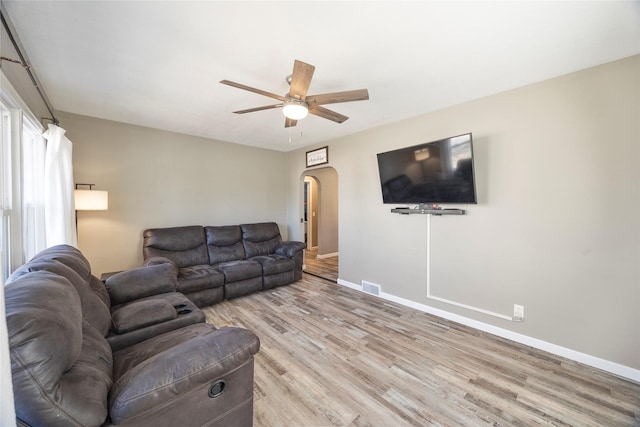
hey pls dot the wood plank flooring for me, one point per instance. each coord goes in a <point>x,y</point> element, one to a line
<point>326,268</point>
<point>332,356</point>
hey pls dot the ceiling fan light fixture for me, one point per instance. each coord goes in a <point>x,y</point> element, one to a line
<point>295,109</point>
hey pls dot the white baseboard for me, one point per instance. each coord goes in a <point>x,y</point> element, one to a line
<point>596,362</point>
<point>331,255</point>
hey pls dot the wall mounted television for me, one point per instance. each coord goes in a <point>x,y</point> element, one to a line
<point>430,173</point>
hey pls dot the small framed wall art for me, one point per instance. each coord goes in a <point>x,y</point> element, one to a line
<point>318,156</point>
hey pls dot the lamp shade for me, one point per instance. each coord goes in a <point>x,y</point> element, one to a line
<point>422,154</point>
<point>91,200</point>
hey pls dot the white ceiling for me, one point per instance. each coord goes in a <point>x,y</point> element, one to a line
<point>158,64</point>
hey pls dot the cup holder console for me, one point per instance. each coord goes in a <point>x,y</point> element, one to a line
<point>182,308</point>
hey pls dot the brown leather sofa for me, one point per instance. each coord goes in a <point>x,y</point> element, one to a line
<point>224,262</point>
<point>65,372</point>
<point>135,305</point>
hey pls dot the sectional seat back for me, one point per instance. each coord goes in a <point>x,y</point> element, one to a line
<point>65,372</point>
<point>263,244</point>
<point>227,254</point>
<point>224,262</point>
<point>133,306</point>
<point>186,248</point>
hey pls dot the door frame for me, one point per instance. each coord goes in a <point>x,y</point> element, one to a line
<point>311,188</point>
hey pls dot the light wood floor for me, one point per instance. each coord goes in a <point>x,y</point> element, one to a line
<point>332,356</point>
<point>326,268</point>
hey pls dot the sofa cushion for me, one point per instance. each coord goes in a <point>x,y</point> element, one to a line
<point>61,366</point>
<point>100,290</point>
<point>198,277</point>
<point>187,313</point>
<point>261,238</point>
<point>274,264</point>
<point>69,256</point>
<point>140,314</point>
<point>74,259</point>
<point>184,246</point>
<point>224,243</point>
<point>93,308</point>
<point>207,297</point>
<point>240,270</point>
<point>86,385</point>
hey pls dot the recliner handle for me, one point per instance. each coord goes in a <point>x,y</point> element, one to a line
<point>217,389</point>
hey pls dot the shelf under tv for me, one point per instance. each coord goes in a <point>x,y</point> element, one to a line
<point>427,211</point>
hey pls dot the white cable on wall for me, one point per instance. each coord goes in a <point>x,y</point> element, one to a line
<point>457,304</point>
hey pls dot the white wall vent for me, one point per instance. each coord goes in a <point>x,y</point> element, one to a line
<point>370,288</point>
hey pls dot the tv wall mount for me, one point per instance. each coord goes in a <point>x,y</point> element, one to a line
<point>427,209</point>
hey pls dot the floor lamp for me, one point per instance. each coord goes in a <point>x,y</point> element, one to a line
<point>89,200</point>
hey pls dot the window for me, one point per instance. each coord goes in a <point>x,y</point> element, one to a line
<point>33,153</point>
<point>22,153</point>
<point>5,191</point>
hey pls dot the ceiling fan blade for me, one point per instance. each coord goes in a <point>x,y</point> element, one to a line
<point>337,97</point>
<point>288,123</point>
<point>328,114</point>
<point>254,90</point>
<point>251,110</point>
<point>300,79</point>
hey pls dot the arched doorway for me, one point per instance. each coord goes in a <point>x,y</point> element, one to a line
<point>319,221</point>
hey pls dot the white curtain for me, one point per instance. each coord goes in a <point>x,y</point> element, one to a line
<point>58,189</point>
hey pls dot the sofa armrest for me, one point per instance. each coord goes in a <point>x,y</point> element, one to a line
<point>141,282</point>
<point>289,248</point>
<point>155,260</point>
<point>179,370</point>
<point>140,314</point>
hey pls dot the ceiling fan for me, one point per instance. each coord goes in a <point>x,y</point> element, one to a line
<point>297,104</point>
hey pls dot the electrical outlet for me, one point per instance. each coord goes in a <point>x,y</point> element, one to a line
<point>518,312</point>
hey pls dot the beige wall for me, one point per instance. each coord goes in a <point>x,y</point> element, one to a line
<point>20,79</point>
<point>163,179</point>
<point>557,226</point>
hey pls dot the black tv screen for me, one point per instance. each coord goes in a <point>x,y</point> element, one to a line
<point>435,172</point>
